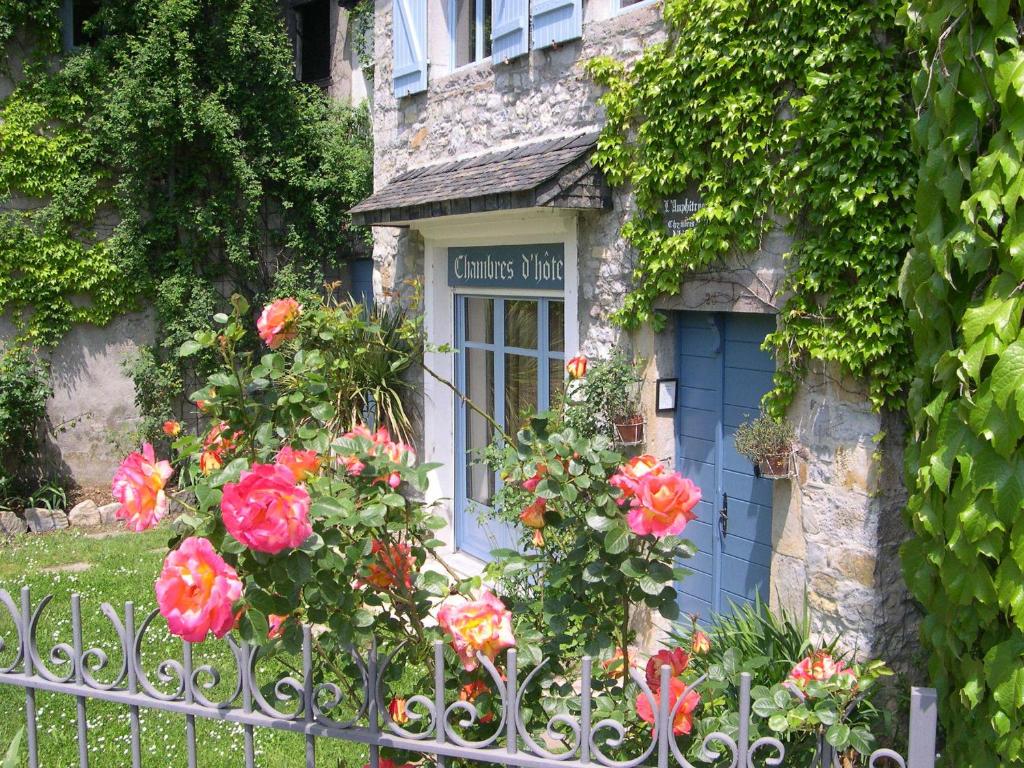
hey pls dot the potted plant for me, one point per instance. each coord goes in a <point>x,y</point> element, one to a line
<point>768,443</point>
<point>607,394</point>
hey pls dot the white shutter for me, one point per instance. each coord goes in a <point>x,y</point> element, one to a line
<point>510,29</point>
<point>409,38</point>
<point>555,21</point>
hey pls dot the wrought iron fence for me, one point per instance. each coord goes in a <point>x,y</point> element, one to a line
<point>186,690</point>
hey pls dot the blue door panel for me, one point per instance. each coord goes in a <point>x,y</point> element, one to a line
<point>700,372</point>
<point>748,355</point>
<point>751,521</point>
<point>723,374</point>
<point>735,545</point>
<point>698,399</point>
<point>743,578</point>
<point>747,327</point>
<point>745,388</point>
<point>698,424</point>
<point>699,532</point>
<point>734,415</point>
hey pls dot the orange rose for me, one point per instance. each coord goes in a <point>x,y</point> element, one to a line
<point>577,367</point>
<point>663,505</point>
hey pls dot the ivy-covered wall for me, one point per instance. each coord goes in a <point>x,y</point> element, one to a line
<point>791,114</point>
<point>168,162</point>
<point>962,285</point>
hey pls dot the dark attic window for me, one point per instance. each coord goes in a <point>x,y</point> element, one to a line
<point>313,40</point>
<point>77,29</point>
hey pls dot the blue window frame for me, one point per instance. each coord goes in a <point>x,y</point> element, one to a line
<point>510,361</point>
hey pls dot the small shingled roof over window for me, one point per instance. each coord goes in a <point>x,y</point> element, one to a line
<point>556,173</point>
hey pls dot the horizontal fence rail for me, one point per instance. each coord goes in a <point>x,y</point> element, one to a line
<point>185,688</point>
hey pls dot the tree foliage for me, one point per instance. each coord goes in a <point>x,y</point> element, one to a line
<point>962,284</point>
<point>780,113</point>
<point>174,159</point>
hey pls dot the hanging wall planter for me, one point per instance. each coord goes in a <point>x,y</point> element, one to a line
<point>774,467</point>
<point>630,431</point>
<point>768,444</point>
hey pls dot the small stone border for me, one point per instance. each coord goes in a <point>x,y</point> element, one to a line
<point>86,514</point>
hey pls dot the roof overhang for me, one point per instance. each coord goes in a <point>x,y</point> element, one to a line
<point>556,173</point>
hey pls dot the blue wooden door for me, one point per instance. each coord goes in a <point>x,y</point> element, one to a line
<point>723,373</point>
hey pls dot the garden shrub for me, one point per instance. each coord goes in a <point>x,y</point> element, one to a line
<point>24,390</point>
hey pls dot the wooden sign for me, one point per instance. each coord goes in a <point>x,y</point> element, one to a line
<point>508,266</point>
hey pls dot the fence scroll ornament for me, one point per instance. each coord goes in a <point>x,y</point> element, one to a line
<point>297,703</point>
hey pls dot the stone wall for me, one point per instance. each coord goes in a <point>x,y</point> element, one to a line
<point>485,106</point>
<point>837,525</point>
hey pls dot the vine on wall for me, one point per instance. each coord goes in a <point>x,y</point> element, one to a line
<point>172,161</point>
<point>793,113</point>
<point>962,284</point>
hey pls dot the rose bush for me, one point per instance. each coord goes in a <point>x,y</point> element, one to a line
<point>294,514</point>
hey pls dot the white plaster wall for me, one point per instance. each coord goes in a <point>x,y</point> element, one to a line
<point>93,399</point>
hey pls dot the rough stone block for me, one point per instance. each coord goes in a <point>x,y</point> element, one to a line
<point>84,515</point>
<point>11,524</point>
<point>108,513</point>
<point>40,519</point>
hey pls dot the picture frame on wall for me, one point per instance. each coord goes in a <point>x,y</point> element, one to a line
<point>665,395</point>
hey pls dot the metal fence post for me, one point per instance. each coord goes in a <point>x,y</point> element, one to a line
<point>30,693</point>
<point>924,717</point>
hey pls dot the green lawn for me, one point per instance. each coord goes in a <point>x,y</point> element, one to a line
<point>121,567</point>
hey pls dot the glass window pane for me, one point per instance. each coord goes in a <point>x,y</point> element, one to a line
<point>556,380</point>
<point>480,389</point>
<point>521,374</point>
<point>556,326</point>
<point>479,320</point>
<point>521,323</point>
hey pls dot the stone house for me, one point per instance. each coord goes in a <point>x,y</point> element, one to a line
<point>484,124</point>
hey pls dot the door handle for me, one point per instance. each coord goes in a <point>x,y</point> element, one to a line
<point>723,515</point>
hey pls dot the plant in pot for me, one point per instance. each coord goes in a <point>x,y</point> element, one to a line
<point>768,443</point>
<point>605,398</point>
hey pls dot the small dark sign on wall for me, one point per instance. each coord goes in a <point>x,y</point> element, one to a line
<point>678,212</point>
<point>508,266</point>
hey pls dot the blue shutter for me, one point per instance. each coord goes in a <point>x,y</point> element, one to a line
<point>409,38</point>
<point>510,30</point>
<point>555,21</point>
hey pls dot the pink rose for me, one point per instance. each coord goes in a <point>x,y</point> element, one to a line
<point>301,463</point>
<point>628,477</point>
<point>276,323</point>
<point>663,504</point>
<point>139,486</point>
<point>683,720</point>
<point>197,591</point>
<point>482,625</point>
<point>266,510</point>
<point>820,667</point>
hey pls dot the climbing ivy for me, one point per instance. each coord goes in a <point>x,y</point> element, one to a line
<point>171,162</point>
<point>962,284</point>
<point>781,113</point>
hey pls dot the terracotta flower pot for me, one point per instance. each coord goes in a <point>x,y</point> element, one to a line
<point>630,431</point>
<point>775,466</point>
